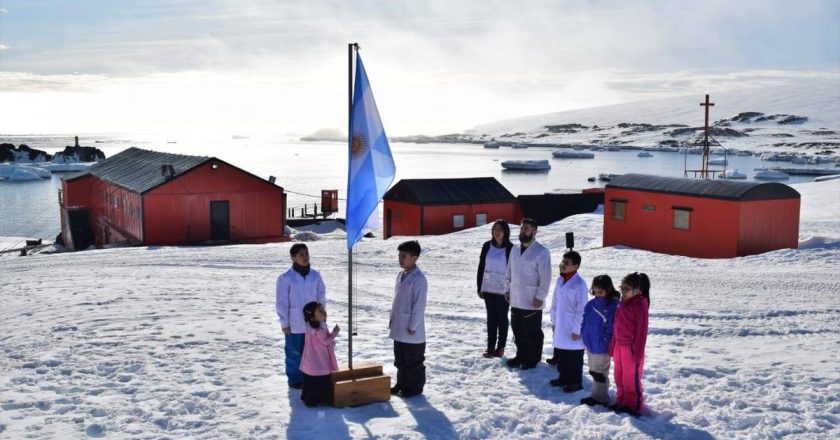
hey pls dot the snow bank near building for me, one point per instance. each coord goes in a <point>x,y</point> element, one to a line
<point>183,342</point>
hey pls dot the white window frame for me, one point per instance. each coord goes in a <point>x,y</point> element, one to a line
<point>455,220</point>
<point>615,204</point>
<point>682,219</point>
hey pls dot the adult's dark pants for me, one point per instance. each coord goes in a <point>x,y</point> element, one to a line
<point>570,366</point>
<point>527,334</point>
<point>497,320</point>
<point>411,372</point>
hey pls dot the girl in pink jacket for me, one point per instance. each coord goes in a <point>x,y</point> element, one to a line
<point>628,343</point>
<point>318,359</point>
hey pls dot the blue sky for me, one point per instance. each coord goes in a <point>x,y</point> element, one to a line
<point>435,66</point>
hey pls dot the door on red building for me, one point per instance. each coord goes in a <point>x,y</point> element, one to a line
<point>220,220</point>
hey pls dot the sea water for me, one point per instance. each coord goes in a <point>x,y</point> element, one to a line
<point>303,169</point>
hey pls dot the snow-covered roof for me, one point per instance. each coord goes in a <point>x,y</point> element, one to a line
<point>716,189</point>
<point>444,191</point>
<point>139,170</point>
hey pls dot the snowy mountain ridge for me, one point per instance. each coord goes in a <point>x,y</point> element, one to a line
<point>788,117</point>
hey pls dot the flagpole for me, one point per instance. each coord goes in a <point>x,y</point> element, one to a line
<point>350,49</point>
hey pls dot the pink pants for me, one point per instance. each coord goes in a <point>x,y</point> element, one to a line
<point>628,379</point>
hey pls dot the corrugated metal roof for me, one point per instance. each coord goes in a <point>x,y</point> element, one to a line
<point>447,191</point>
<point>139,170</point>
<point>717,189</point>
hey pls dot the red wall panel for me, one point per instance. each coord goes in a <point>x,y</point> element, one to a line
<point>767,225</point>
<point>713,230</point>
<point>405,219</point>
<point>179,211</point>
<point>437,219</point>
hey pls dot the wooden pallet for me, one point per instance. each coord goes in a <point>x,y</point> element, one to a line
<point>364,384</point>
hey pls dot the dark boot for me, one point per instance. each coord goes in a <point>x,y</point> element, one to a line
<point>499,352</point>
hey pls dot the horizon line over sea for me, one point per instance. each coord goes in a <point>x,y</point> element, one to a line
<point>303,169</point>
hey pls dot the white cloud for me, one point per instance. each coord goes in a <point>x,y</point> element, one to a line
<point>3,47</point>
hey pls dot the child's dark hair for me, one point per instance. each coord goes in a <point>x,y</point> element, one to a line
<point>297,247</point>
<point>637,280</point>
<point>411,247</point>
<point>605,282</point>
<point>575,257</point>
<point>530,221</point>
<point>309,313</point>
<point>505,229</point>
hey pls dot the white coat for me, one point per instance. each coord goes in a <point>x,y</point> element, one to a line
<point>567,307</point>
<point>529,276</point>
<point>293,292</point>
<point>408,308</point>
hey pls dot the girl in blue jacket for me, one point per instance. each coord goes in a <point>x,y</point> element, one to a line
<point>596,332</point>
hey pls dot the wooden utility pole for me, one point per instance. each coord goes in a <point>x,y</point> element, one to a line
<point>704,173</point>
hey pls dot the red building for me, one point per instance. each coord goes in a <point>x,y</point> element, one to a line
<point>141,197</point>
<point>700,218</point>
<point>440,206</point>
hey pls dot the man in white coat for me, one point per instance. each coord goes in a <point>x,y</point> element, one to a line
<point>297,287</point>
<point>407,323</point>
<point>529,278</point>
<point>567,306</point>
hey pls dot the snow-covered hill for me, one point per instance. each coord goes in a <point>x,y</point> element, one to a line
<point>805,116</point>
<point>183,342</point>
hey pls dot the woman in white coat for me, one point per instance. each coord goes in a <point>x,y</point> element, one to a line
<point>568,304</point>
<point>297,287</point>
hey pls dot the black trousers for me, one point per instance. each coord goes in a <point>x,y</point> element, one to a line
<point>497,319</point>
<point>527,334</point>
<point>570,366</point>
<point>411,372</point>
<point>316,390</point>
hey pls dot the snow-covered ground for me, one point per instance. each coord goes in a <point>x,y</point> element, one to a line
<point>183,342</point>
<point>817,99</point>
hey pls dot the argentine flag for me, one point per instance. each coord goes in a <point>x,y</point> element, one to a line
<point>372,167</point>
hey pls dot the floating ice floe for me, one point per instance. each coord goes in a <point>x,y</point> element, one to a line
<point>766,174</point>
<point>733,175</point>
<point>562,154</point>
<point>16,173</point>
<point>65,167</point>
<point>526,165</point>
<point>491,144</point>
<point>718,161</point>
<point>644,154</point>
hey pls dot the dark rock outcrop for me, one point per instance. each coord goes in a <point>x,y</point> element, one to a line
<point>81,154</point>
<point>8,153</point>
<point>783,119</point>
<point>565,128</point>
<point>714,131</point>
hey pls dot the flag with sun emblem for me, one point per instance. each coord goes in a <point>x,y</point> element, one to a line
<point>372,167</point>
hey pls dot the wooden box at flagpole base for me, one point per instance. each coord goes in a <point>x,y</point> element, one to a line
<point>365,383</point>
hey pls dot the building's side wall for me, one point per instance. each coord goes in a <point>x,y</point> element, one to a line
<point>404,219</point>
<point>767,225</point>
<point>712,233</point>
<point>438,219</point>
<point>179,211</point>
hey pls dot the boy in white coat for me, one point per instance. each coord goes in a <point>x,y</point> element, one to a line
<point>407,325</point>
<point>567,306</point>
<point>297,287</point>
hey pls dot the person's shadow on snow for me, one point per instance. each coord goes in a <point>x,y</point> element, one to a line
<point>653,424</point>
<point>314,422</point>
<point>431,422</point>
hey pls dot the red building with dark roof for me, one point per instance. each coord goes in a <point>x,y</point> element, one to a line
<point>700,218</point>
<point>141,197</point>
<point>440,206</point>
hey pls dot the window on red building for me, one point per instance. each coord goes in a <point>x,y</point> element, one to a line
<point>619,209</point>
<point>682,217</point>
<point>458,221</point>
